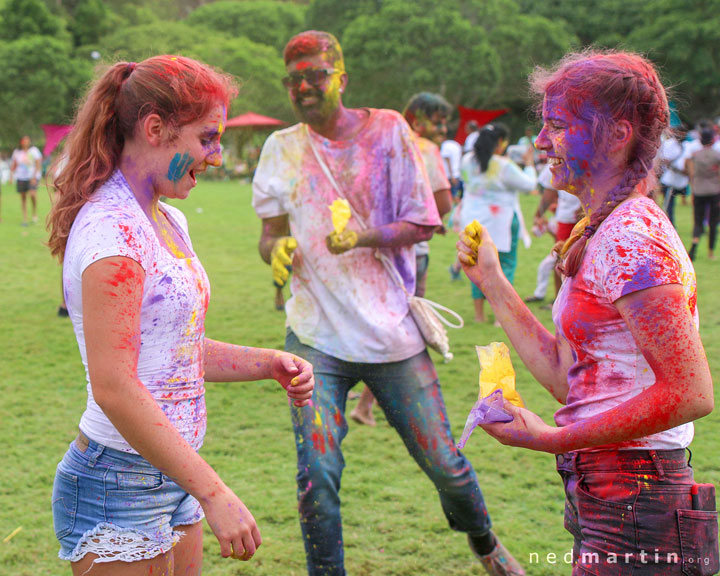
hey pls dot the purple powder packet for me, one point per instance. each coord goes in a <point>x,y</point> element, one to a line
<point>486,411</point>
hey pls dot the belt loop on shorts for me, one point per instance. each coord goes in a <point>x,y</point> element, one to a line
<point>658,465</point>
<point>83,442</point>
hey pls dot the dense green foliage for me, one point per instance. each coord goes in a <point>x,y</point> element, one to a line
<point>477,53</point>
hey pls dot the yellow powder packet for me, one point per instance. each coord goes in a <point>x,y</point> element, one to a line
<point>497,372</point>
<point>340,210</point>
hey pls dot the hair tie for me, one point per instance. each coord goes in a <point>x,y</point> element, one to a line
<point>589,231</point>
<point>131,67</point>
<point>489,127</point>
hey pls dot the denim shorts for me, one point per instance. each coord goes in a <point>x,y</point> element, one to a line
<point>632,513</point>
<point>116,505</point>
<point>25,186</point>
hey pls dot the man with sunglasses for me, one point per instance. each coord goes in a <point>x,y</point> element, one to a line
<point>347,315</point>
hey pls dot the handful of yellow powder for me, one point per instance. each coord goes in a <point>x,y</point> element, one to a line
<point>340,210</point>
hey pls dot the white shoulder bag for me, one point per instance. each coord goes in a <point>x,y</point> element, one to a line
<point>424,312</point>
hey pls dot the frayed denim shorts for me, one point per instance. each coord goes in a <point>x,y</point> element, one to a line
<point>116,505</point>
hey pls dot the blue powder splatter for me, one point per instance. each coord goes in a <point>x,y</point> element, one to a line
<point>645,277</point>
<point>179,166</point>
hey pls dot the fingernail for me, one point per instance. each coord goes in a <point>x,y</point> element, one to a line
<point>293,382</point>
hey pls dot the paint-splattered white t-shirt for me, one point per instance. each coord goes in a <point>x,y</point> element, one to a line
<point>26,163</point>
<point>172,318</point>
<point>430,154</point>
<point>635,248</point>
<point>347,305</point>
<point>491,197</point>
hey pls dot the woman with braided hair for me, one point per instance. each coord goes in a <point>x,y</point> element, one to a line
<point>626,360</point>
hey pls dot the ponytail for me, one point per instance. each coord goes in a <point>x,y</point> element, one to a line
<point>487,142</point>
<point>177,89</point>
<point>91,153</point>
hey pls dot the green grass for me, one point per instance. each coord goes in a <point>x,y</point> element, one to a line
<point>392,519</point>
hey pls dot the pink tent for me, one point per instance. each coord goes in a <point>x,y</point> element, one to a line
<point>252,120</point>
<point>54,133</point>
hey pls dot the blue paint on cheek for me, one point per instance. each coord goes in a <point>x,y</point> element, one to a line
<point>179,166</point>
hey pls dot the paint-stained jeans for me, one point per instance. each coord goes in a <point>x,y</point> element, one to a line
<point>631,514</point>
<point>409,394</point>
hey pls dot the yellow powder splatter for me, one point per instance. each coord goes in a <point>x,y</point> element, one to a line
<point>167,237</point>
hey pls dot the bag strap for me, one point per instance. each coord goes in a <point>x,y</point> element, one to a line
<point>387,263</point>
<point>328,174</point>
<point>438,308</point>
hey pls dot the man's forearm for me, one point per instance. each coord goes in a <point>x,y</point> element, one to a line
<point>265,247</point>
<point>394,235</point>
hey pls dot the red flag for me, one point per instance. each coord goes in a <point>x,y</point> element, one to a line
<point>482,117</point>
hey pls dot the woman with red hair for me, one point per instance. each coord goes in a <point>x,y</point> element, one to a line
<point>130,494</point>
<point>626,360</point>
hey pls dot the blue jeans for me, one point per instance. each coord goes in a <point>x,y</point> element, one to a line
<point>409,394</point>
<point>669,201</point>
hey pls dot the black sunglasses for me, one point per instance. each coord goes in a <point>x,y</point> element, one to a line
<point>313,77</point>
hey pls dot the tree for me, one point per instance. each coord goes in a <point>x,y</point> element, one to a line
<point>90,21</point>
<point>523,43</point>
<point>683,37</point>
<point>41,82</point>
<point>410,47</point>
<point>259,70</point>
<point>602,23</point>
<point>262,21</point>
<point>140,42</point>
<point>27,18</point>
<point>335,16</point>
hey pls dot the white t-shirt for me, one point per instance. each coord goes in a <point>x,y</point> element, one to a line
<point>635,248</point>
<point>567,204</point>
<point>430,154</point>
<point>451,153</point>
<point>491,197</point>
<point>172,316</point>
<point>470,141</point>
<point>676,153</point>
<point>567,208</point>
<point>347,305</point>
<point>26,163</point>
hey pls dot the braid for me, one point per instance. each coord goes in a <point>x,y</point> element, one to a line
<point>574,248</point>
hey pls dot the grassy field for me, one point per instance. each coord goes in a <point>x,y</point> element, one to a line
<point>392,519</point>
